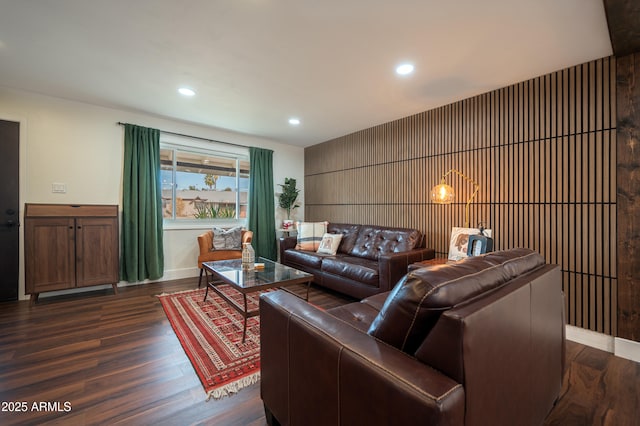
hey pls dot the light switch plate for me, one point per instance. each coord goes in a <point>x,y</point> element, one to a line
<point>59,188</point>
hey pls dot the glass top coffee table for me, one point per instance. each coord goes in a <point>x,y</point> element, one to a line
<point>245,281</point>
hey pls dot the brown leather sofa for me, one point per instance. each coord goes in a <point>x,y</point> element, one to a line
<point>370,259</point>
<point>479,342</point>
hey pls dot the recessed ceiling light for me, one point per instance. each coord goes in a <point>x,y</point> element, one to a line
<point>294,121</point>
<point>404,69</point>
<point>186,91</point>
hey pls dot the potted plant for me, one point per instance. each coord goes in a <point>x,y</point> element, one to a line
<point>287,199</point>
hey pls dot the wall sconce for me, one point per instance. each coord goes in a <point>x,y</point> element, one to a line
<point>444,194</point>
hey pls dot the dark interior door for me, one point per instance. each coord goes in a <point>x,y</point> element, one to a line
<point>9,209</point>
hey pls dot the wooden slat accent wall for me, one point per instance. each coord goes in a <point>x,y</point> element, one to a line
<point>544,154</point>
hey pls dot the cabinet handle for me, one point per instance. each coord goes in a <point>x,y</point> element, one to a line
<point>71,227</point>
<point>79,227</point>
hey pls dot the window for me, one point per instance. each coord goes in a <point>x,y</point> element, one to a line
<point>203,185</point>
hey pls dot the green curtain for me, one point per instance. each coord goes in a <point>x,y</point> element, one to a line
<point>262,211</point>
<point>142,255</point>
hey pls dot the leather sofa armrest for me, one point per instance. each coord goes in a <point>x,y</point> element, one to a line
<point>285,244</point>
<point>317,369</point>
<point>394,266</point>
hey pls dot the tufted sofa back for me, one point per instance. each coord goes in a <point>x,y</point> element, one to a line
<point>349,235</point>
<point>370,241</point>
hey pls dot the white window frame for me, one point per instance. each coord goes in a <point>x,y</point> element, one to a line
<point>189,145</point>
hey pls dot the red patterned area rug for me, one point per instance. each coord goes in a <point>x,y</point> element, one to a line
<point>211,334</point>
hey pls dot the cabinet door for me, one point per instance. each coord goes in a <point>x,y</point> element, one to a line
<point>97,251</point>
<point>50,254</point>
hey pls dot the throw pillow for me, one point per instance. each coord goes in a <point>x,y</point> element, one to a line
<point>227,239</point>
<point>310,234</point>
<point>329,244</point>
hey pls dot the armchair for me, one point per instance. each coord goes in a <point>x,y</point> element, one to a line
<point>478,342</point>
<point>205,242</point>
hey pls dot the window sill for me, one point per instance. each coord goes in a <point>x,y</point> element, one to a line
<point>171,225</point>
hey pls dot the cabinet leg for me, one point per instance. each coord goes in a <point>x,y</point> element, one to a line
<point>34,298</point>
<point>115,288</point>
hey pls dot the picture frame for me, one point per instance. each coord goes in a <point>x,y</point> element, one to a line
<point>459,241</point>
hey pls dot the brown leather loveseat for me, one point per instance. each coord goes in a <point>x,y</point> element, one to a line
<point>370,259</point>
<point>479,342</point>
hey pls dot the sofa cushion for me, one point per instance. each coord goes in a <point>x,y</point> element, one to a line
<point>376,301</point>
<point>349,235</point>
<point>416,302</point>
<point>309,259</point>
<point>356,268</point>
<point>358,314</point>
<point>374,241</point>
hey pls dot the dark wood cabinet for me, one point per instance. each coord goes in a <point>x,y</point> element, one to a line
<point>70,246</point>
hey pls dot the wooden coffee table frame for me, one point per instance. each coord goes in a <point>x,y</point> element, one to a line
<point>214,278</point>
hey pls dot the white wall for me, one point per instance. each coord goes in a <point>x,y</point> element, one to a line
<point>81,146</point>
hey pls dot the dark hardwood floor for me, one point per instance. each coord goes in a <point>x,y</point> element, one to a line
<point>598,389</point>
<point>99,358</point>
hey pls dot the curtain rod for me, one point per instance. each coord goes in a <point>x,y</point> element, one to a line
<point>194,137</point>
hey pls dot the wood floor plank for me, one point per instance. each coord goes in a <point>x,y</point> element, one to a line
<point>598,389</point>
<point>116,359</point>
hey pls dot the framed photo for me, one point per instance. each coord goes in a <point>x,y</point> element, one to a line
<point>460,239</point>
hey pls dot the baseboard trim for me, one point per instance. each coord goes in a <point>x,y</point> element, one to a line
<point>174,274</point>
<point>170,274</point>
<point>178,274</point>
<point>590,338</point>
<point>622,348</point>
<point>627,349</point>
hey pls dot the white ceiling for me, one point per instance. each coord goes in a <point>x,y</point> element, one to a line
<point>255,63</point>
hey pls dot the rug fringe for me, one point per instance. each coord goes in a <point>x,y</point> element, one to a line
<point>233,387</point>
<point>178,292</point>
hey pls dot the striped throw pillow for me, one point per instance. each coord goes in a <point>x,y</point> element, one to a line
<point>310,235</point>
